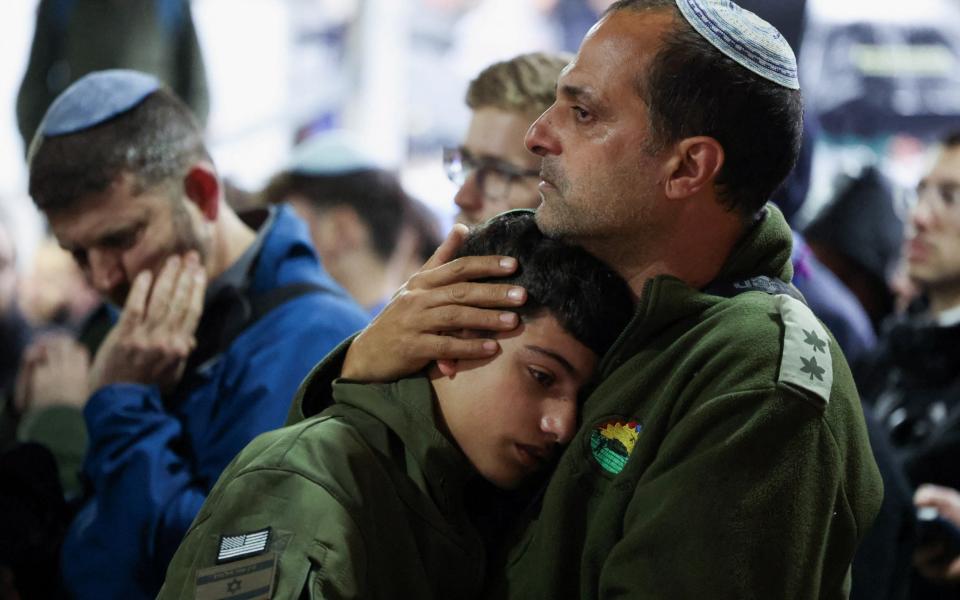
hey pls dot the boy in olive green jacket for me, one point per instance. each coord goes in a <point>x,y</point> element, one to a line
<point>367,498</point>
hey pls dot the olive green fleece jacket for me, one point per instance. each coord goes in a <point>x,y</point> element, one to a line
<point>363,501</point>
<point>738,485</point>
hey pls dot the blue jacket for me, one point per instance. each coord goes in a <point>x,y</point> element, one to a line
<point>152,460</point>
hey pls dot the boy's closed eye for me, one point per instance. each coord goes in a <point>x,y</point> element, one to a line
<point>543,377</point>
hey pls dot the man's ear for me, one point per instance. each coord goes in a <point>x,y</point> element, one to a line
<point>694,166</point>
<point>202,187</point>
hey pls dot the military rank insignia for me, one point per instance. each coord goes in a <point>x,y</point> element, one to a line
<point>611,443</point>
<point>806,364</point>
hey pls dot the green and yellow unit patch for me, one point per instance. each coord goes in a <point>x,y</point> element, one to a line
<point>611,443</point>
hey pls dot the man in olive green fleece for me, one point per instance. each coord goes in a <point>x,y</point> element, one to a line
<point>368,499</point>
<point>724,454</point>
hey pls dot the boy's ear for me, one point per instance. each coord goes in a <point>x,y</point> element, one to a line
<point>449,366</point>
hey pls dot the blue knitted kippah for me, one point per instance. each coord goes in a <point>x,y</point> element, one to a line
<point>744,37</point>
<point>96,98</point>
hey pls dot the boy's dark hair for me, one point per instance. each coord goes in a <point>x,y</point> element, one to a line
<point>156,142</point>
<point>588,299</point>
<point>694,89</point>
<point>376,196</point>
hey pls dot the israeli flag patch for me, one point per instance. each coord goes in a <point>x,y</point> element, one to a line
<point>243,545</point>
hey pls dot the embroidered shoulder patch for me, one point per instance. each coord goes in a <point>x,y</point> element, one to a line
<point>242,545</point>
<point>250,579</point>
<point>611,443</point>
<point>806,362</point>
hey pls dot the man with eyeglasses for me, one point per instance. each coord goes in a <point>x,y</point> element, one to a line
<point>493,168</point>
<point>912,381</point>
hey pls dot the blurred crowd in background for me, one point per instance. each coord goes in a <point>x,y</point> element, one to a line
<point>336,106</point>
<point>880,84</point>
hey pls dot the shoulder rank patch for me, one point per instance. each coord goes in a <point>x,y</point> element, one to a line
<point>611,443</point>
<point>242,545</point>
<point>806,362</point>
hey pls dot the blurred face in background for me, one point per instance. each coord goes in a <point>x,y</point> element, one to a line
<point>54,290</point>
<point>933,240</point>
<point>493,168</point>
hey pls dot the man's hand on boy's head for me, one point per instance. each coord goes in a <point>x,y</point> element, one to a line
<point>407,334</point>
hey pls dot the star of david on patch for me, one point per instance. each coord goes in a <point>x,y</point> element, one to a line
<point>245,579</point>
<point>813,341</point>
<point>812,368</point>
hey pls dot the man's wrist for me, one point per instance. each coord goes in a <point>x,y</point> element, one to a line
<point>352,363</point>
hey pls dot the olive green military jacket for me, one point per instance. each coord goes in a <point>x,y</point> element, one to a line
<point>723,455</point>
<point>362,501</point>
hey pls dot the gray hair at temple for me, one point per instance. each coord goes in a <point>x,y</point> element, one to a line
<point>692,88</point>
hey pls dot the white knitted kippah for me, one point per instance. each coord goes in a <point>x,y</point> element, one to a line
<point>744,37</point>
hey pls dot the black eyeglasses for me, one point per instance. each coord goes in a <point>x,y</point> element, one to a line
<point>494,177</point>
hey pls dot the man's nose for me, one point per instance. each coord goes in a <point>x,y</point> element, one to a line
<point>540,138</point>
<point>105,270</point>
<point>921,216</point>
<point>470,195</point>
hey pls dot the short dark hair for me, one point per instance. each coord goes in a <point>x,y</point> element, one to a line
<point>375,194</point>
<point>951,140</point>
<point>421,219</point>
<point>588,299</point>
<point>694,89</point>
<point>156,142</point>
